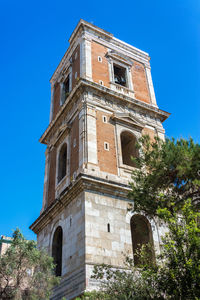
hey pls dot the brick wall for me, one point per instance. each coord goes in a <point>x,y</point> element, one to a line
<point>140,82</point>
<point>74,157</point>
<point>105,133</point>
<point>150,132</point>
<point>52,176</point>
<point>56,105</point>
<point>75,65</point>
<point>99,69</point>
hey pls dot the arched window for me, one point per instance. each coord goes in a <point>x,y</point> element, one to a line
<point>128,147</point>
<point>62,162</point>
<point>141,235</point>
<point>57,250</point>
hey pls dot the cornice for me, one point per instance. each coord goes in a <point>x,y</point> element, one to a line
<point>83,183</point>
<point>84,83</point>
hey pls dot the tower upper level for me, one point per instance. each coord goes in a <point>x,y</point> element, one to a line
<point>97,56</point>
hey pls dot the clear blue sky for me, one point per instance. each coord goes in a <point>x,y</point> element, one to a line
<point>34,36</point>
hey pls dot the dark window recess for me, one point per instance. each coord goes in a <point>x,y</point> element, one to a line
<point>62,163</point>
<point>57,250</point>
<point>129,150</point>
<point>141,236</point>
<point>108,226</point>
<point>120,75</point>
<point>66,87</point>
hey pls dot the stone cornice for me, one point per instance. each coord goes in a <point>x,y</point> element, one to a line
<point>83,182</point>
<point>83,84</point>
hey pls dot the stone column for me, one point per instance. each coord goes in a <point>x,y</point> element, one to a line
<point>62,93</point>
<point>91,133</point>
<point>46,179</point>
<point>86,59</point>
<point>52,103</point>
<point>150,84</point>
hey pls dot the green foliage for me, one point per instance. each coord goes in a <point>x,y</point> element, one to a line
<point>167,175</point>
<point>25,271</point>
<point>165,187</point>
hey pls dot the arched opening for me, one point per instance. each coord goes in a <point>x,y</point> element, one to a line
<point>141,235</point>
<point>128,146</point>
<point>62,162</point>
<point>57,250</point>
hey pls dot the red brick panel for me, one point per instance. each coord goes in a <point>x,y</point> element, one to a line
<point>107,160</point>
<point>52,176</point>
<point>56,105</point>
<point>74,160</point>
<point>150,132</point>
<point>75,65</point>
<point>100,70</point>
<point>140,82</point>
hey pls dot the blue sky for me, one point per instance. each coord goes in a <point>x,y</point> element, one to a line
<point>34,37</point>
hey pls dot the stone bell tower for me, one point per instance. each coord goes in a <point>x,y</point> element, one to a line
<point>102,101</point>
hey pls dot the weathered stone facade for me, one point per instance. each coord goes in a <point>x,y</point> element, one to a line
<point>102,101</point>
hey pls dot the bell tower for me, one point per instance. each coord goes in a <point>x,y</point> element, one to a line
<point>102,101</point>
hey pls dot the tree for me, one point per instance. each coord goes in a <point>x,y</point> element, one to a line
<point>165,187</point>
<point>25,271</point>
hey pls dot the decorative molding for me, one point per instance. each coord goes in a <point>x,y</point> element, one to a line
<point>129,119</point>
<point>117,56</point>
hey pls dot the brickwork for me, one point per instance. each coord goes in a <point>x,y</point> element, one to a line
<point>100,69</point>
<point>140,82</point>
<point>74,158</point>
<point>75,66</point>
<point>107,160</point>
<point>52,175</point>
<point>150,132</point>
<point>56,105</point>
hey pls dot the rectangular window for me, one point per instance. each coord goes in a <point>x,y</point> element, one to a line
<point>120,75</point>
<point>66,83</point>
<point>106,146</point>
<point>104,119</point>
<point>101,82</point>
<point>99,59</point>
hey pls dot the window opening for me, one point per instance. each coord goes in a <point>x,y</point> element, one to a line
<point>119,75</point>
<point>62,162</point>
<point>66,83</point>
<point>74,143</point>
<point>141,234</point>
<point>101,82</point>
<point>99,59</point>
<point>106,146</point>
<point>104,119</point>
<point>128,146</point>
<point>108,226</point>
<point>57,250</point>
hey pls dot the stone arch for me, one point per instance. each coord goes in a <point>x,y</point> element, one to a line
<point>57,246</point>
<point>62,162</point>
<point>141,234</point>
<point>128,148</point>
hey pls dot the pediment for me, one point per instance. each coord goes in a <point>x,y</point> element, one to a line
<point>60,131</point>
<point>128,118</point>
<point>119,57</point>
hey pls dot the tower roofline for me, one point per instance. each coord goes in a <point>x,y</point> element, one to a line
<point>95,30</point>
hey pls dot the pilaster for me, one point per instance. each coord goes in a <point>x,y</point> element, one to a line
<point>86,60</point>
<point>150,84</point>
